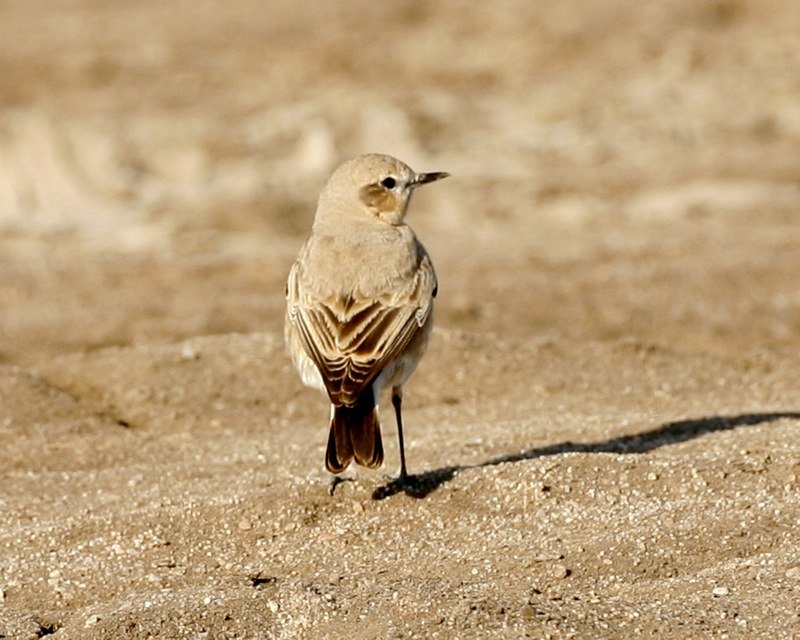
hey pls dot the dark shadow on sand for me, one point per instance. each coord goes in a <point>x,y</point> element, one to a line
<point>419,486</point>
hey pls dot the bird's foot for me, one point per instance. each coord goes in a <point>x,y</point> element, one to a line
<point>336,481</point>
<point>405,483</point>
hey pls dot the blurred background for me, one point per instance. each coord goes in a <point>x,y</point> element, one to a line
<point>620,169</point>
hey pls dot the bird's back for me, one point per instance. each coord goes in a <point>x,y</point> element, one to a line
<point>358,305</point>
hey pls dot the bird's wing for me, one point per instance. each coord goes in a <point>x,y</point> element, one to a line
<point>352,340</point>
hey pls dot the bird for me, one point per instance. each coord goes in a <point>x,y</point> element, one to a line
<point>359,304</point>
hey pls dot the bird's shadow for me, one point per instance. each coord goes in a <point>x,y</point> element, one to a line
<point>421,485</point>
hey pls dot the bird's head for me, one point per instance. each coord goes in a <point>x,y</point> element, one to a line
<point>372,187</point>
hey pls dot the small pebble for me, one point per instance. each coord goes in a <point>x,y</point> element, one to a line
<point>559,571</point>
<point>273,606</point>
<point>245,524</point>
<point>720,591</point>
<point>188,352</point>
<point>91,621</point>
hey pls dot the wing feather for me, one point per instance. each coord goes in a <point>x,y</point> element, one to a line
<point>352,339</point>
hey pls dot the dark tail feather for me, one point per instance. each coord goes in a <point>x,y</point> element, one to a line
<point>340,449</point>
<point>366,441</point>
<point>355,433</point>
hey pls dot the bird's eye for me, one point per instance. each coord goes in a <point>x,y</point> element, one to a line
<point>389,182</point>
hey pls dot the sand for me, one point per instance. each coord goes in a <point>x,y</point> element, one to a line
<point>605,431</point>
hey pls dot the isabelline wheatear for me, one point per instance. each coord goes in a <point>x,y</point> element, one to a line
<point>359,303</point>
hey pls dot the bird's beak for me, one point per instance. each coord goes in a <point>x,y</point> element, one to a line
<point>425,178</point>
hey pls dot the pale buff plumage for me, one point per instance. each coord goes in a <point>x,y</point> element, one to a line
<point>360,302</point>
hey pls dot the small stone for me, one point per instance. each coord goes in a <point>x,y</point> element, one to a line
<point>55,573</point>
<point>273,606</point>
<point>529,612</point>
<point>91,621</point>
<point>718,592</point>
<point>188,352</point>
<point>2,595</point>
<point>207,600</point>
<point>652,476</point>
<point>559,571</point>
<point>245,524</point>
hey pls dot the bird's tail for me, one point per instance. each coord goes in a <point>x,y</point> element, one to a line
<point>355,433</point>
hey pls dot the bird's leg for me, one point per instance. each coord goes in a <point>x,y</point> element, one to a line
<point>410,485</point>
<point>397,400</point>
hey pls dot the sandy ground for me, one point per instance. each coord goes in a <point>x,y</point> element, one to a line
<point>606,428</point>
